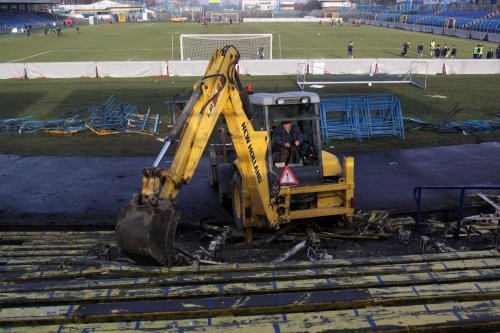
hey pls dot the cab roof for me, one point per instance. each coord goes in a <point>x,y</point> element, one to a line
<point>291,97</point>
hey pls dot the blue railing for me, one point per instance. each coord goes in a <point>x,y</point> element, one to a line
<point>417,194</point>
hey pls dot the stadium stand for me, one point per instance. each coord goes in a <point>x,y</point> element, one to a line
<point>19,19</point>
<point>434,20</point>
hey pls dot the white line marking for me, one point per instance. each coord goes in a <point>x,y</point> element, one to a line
<point>32,56</point>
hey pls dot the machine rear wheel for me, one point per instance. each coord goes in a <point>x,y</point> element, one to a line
<point>238,206</point>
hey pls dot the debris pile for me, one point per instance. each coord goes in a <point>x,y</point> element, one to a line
<point>315,240</point>
<point>479,224</point>
<point>111,117</point>
<point>447,125</point>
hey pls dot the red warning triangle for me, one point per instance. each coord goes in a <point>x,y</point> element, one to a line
<point>287,177</point>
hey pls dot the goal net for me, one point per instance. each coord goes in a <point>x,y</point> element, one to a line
<point>250,46</point>
<point>224,17</point>
<point>314,74</point>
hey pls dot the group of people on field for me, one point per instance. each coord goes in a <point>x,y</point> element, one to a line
<point>477,52</point>
<point>437,51</point>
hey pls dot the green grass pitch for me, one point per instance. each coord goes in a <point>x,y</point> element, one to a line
<point>160,41</point>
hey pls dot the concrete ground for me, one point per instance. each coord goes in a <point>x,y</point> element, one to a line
<point>95,186</point>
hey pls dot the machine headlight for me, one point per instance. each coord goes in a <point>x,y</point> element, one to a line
<point>304,100</point>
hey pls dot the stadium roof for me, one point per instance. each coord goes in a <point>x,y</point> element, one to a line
<point>29,2</point>
<point>102,5</point>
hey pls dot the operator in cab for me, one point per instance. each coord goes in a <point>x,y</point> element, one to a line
<point>288,139</point>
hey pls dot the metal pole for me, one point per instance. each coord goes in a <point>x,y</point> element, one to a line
<point>418,199</point>
<point>162,153</point>
<point>460,212</point>
<point>279,44</point>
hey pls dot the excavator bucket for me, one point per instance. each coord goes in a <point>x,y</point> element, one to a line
<point>148,229</point>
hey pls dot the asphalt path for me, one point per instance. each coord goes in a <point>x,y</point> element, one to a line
<point>95,186</point>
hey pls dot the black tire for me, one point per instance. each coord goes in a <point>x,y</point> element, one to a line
<point>212,176</point>
<point>237,202</point>
<point>224,174</point>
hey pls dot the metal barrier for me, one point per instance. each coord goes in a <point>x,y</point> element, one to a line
<point>111,117</point>
<point>360,116</point>
<point>417,195</point>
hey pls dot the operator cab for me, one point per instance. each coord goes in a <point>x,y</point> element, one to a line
<point>271,110</point>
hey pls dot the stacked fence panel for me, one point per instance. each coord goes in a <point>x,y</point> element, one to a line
<point>361,116</point>
<point>111,117</point>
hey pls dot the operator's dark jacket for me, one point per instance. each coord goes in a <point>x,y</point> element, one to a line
<point>281,136</point>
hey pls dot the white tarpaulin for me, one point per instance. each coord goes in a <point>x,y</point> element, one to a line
<point>59,70</point>
<point>348,66</point>
<point>187,68</point>
<point>12,71</point>
<point>472,66</point>
<point>404,66</point>
<point>131,68</point>
<point>250,67</point>
<point>269,67</point>
<point>335,66</point>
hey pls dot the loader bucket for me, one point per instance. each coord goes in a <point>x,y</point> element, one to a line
<point>148,229</point>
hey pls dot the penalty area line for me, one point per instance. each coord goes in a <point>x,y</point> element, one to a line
<point>31,56</point>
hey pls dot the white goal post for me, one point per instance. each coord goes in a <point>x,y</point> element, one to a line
<point>202,46</point>
<point>314,73</point>
<point>224,17</point>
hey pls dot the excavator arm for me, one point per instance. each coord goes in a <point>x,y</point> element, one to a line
<point>146,225</point>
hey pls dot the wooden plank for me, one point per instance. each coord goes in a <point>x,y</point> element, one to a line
<point>135,269</point>
<point>42,315</point>
<point>489,201</point>
<point>57,234</point>
<point>100,280</point>
<point>45,253</point>
<point>48,247</point>
<point>249,305</point>
<point>101,241</point>
<point>96,268</point>
<point>105,292</point>
<point>23,268</point>
<point>93,276</point>
<point>415,318</point>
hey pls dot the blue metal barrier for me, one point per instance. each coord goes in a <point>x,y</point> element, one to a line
<point>110,117</point>
<point>417,195</point>
<point>360,116</point>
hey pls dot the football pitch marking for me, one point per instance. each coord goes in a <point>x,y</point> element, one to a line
<point>31,56</point>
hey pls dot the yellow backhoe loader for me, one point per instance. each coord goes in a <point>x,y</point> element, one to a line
<point>265,191</point>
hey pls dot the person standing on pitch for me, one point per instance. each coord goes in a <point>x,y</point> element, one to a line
<point>350,49</point>
<point>432,47</point>
<point>453,52</point>
<point>420,49</point>
<point>260,52</point>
